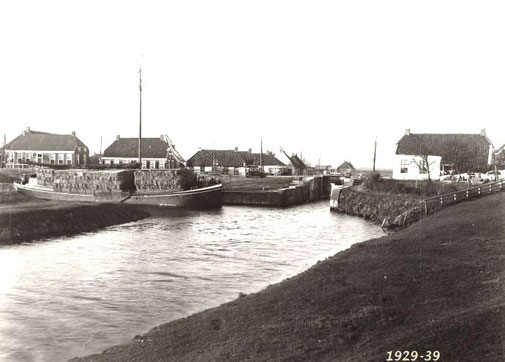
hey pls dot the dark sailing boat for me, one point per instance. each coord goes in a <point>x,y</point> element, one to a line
<point>175,186</point>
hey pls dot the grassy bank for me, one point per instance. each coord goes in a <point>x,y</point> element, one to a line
<point>23,219</point>
<point>437,285</point>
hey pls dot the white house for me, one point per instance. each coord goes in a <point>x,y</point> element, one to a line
<point>441,153</point>
<point>412,167</point>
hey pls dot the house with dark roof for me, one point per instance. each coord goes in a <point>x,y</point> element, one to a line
<point>45,148</point>
<point>346,168</point>
<point>234,162</point>
<point>420,154</point>
<point>156,153</point>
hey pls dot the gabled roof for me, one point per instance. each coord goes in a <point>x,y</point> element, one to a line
<point>231,158</point>
<point>466,150</point>
<point>345,165</point>
<point>42,141</point>
<point>128,147</point>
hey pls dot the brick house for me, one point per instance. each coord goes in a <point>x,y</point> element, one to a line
<point>234,162</point>
<point>45,148</point>
<point>156,153</point>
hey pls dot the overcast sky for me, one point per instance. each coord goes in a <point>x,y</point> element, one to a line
<point>320,77</point>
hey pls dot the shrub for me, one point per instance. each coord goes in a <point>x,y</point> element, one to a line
<point>186,179</point>
<point>373,179</point>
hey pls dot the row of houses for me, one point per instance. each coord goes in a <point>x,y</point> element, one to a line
<point>418,156</point>
<point>34,147</point>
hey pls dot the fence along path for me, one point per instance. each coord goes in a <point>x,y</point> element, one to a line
<point>433,204</point>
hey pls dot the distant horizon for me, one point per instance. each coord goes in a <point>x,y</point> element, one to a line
<point>278,153</point>
<point>324,79</point>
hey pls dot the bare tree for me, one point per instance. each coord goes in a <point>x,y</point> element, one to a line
<point>424,164</point>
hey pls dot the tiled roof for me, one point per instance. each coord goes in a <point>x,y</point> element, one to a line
<point>466,151</point>
<point>231,158</point>
<point>41,141</point>
<point>128,147</point>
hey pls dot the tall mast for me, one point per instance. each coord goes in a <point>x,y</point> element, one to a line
<point>374,154</point>
<point>140,115</point>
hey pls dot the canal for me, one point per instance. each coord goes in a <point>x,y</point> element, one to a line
<point>67,297</point>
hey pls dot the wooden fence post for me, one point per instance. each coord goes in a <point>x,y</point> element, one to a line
<point>478,190</point>
<point>455,197</point>
<point>426,207</point>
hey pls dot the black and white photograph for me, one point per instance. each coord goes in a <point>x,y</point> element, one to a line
<point>252,181</point>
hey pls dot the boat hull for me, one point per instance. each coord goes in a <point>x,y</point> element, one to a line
<point>204,198</point>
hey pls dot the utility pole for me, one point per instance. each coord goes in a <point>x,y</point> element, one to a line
<point>374,153</point>
<point>140,116</point>
<point>261,156</point>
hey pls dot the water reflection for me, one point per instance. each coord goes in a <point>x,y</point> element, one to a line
<point>74,296</point>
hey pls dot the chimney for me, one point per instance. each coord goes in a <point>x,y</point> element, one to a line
<point>117,137</point>
<point>483,132</point>
<point>73,133</point>
<point>250,150</point>
<point>407,132</point>
<point>162,137</point>
<point>236,149</point>
<point>26,131</point>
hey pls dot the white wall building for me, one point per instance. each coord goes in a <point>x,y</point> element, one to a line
<point>407,167</point>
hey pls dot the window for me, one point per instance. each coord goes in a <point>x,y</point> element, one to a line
<point>225,170</point>
<point>202,168</point>
<point>156,164</point>
<point>69,162</point>
<point>404,167</point>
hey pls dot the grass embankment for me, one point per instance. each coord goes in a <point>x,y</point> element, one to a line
<point>23,219</point>
<point>384,200</point>
<point>437,285</point>
<point>241,183</point>
<point>420,189</point>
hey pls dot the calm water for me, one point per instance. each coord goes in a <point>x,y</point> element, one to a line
<point>68,297</point>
